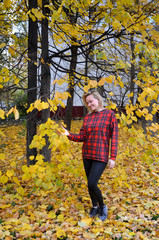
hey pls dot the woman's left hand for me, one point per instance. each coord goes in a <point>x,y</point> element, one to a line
<point>111,163</point>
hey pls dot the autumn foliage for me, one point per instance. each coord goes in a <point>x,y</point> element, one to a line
<point>50,200</point>
<point>111,46</point>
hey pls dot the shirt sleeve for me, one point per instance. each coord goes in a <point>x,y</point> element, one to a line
<point>81,137</point>
<point>114,137</point>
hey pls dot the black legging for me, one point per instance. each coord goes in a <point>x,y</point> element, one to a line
<point>94,170</point>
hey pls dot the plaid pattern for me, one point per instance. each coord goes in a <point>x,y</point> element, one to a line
<point>97,130</point>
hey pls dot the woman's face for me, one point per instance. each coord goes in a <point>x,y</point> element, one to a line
<point>93,103</point>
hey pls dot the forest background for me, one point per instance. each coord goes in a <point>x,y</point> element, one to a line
<point>94,45</point>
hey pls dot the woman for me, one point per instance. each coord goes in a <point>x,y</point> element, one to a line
<point>99,126</point>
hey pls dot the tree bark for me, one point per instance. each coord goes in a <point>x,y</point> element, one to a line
<point>73,64</point>
<point>132,70</point>
<point>45,76</point>
<point>69,107</point>
<point>32,83</point>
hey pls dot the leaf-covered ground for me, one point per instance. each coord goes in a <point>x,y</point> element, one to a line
<point>130,191</point>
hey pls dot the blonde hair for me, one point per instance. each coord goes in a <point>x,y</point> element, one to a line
<point>95,95</point>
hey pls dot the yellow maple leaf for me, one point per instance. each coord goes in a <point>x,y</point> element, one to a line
<point>60,217</point>
<point>16,180</point>
<point>111,93</point>
<point>16,80</point>
<point>85,222</point>
<point>10,173</point>
<point>113,105</point>
<point>44,105</point>
<point>86,88</point>
<point>38,104</point>
<point>26,177</point>
<point>2,114</point>
<point>60,81</point>
<point>3,179</point>
<point>134,118</point>
<point>21,191</point>
<point>4,206</point>
<point>116,25</point>
<point>150,91</point>
<point>139,113</point>
<point>89,235</point>
<point>25,168</point>
<point>121,84</point>
<point>61,103</point>
<point>30,108</point>
<point>60,233</point>
<point>37,13</point>
<point>145,110</point>
<point>130,94</point>
<point>51,215</point>
<point>13,164</point>
<point>93,83</point>
<point>102,81</point>
<point>31,158</point>
<point>149,117</point>
<point>65,95</point>
<point>16,113</point>
<point>2,156</point>
<point>10,111</point>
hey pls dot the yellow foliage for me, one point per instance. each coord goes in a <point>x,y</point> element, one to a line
<point>12,50</point>
<point>51,215</point>
<point>2,45</point>
<point>10,173</point>
<point>30,108</point>
<point>2,114</point>
<point>60,233</point>
<point>37,14</point>
<point>106,79</point>
<point>116,25</point>
<point>3,179</point>
<point>86,88</point>
<point>62,183</point>
<point>10,111</point>
<point>16,113</point>
<point>111,93</point>
<point>93,83</point>
<point>38,104</point>
<point>21,191</point>
<point>4,206</point>
<point>113,105</point>
<point>60,82</point>
<point>16,180</point>
<point>154,127</point>
<point>149,117</point>
<point>7,3</point>
<point>2,156</point>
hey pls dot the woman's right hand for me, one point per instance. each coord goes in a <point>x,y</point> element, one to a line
<point>65,131</point>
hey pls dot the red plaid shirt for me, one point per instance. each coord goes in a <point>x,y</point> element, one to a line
<point>97,130</point>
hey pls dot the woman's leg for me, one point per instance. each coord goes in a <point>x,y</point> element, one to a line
<point>87,167</point>
<point>94,170</point>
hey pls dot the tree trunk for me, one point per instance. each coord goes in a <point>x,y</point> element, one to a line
<point>45,77</point>
<point>132,70</point>
<point>69,107</point>
<point>73,64</point>
<point>32,83</point>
